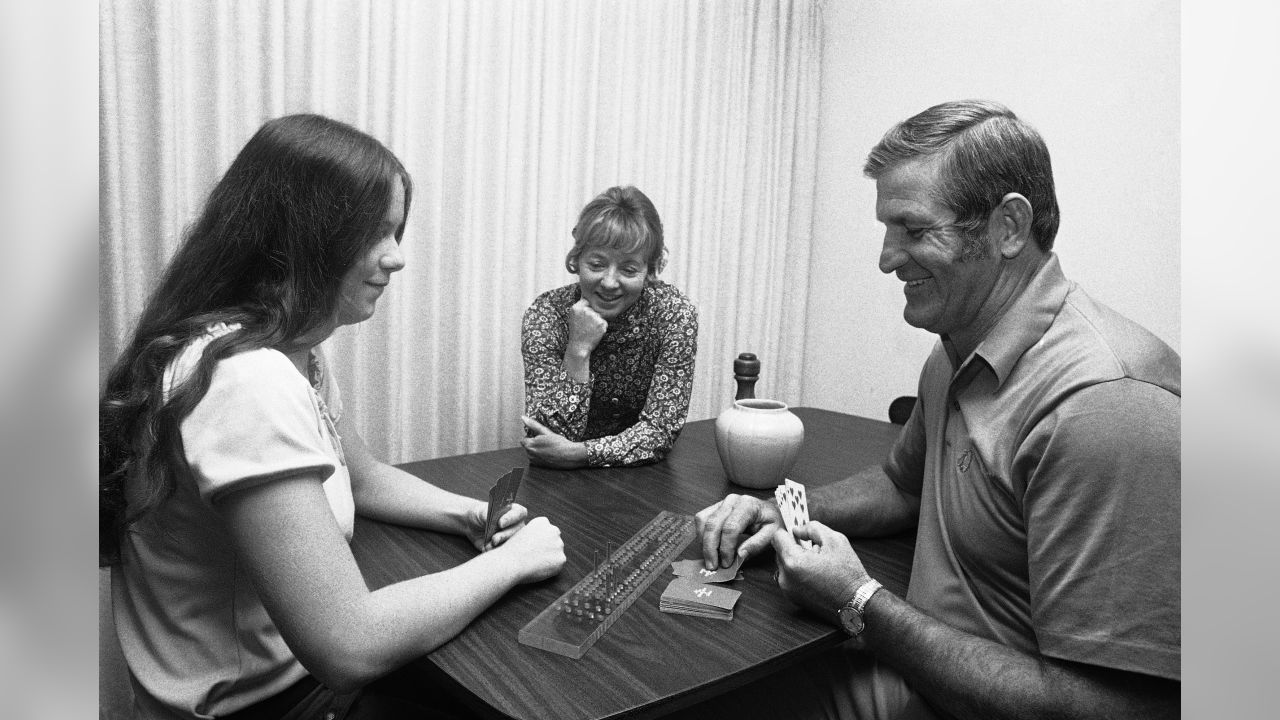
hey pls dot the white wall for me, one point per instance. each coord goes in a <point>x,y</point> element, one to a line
<point>1099,80</point>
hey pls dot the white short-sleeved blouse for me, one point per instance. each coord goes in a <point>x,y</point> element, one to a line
<point>192,627</point>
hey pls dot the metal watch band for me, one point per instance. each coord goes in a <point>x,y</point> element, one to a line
<point>864,593</point>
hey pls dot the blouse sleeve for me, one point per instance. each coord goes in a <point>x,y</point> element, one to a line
<point>667,403</point>
<point>256,423</point>
<point>550,396</point>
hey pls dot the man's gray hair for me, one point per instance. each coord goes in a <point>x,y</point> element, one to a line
<point>986,152</point>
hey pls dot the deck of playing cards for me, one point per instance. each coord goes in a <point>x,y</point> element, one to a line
<point>690,593</point>
<point>687,596</point>
<point>794,506</point>
<point>501,496</point>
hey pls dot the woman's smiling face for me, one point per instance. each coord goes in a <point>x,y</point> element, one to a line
<point>611,280</point>
<point>364,282</point>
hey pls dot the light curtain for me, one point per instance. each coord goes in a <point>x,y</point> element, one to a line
<point>510,116</point>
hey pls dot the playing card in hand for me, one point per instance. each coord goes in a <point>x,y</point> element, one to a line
<point>501,496</point>
<point>696,570</point>
<point>794,506</point>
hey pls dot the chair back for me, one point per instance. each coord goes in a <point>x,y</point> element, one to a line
<point>900,409</point>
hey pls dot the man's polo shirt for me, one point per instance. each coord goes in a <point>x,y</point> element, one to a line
<point>1047,464</point>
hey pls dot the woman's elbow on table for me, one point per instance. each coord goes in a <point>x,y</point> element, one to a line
<point>347,666</point>
<point>350,649</point>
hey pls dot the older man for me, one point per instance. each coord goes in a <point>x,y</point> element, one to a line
<point>1040,466</point>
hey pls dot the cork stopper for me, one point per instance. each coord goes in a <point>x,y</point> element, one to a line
<point>746,370</point>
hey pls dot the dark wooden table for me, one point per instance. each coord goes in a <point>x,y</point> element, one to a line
<point>649,662</point>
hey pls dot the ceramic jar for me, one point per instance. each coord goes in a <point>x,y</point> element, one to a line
<point>758,441</point>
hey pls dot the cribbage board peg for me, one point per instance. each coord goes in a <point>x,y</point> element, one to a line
<point>746,370</point>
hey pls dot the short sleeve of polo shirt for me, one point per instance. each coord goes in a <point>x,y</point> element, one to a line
<point>1102,508</point>
<point>905,464</point>
<point>257,423</point>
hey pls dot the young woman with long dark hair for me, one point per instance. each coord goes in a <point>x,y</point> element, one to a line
<point>230,477</point>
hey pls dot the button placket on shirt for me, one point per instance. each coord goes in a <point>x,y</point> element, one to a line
<point>957,434</point>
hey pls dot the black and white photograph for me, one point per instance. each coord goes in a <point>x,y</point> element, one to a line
<point>593,359</point>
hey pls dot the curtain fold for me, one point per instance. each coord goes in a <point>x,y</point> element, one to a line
<point>510,116</point>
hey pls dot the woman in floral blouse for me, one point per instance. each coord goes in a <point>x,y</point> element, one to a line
<point>608,360</point>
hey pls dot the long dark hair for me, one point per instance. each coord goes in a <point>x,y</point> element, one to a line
<point>294,211</point>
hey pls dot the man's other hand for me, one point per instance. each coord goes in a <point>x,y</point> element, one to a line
<point>821,578</point>
<point>721,527</point>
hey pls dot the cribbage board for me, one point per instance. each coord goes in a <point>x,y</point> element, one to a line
<point>571,624</point>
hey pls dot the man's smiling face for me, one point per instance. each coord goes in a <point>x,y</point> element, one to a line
<point>949,276</point>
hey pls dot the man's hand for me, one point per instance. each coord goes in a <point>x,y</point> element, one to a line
<point>509,524</point>
<point>722,525</point>
<point>550,449</point>
<point>821,578</point>
<point>586,327</point>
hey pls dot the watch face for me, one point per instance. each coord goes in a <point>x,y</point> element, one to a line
<point>851,620</point>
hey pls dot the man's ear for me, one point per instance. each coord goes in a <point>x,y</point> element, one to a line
<point>1011,224</point>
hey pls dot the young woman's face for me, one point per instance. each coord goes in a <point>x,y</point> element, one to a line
<point>611,280</point>
<point>364,281</point>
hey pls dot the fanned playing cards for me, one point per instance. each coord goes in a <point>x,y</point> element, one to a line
<point>794,506</point>
<point>501,496</point>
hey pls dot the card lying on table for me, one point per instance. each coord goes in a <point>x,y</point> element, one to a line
<point>501,496</point>
<point>794,506</point>
<point>686,596</point>
<point>696,570</point>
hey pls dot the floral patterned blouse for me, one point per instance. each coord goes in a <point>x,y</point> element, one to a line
<point>633,407</point>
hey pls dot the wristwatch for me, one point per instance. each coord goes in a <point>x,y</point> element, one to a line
<point>851,614</point>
